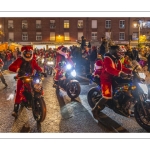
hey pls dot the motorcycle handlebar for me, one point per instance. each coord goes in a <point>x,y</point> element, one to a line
<point>17,77</point>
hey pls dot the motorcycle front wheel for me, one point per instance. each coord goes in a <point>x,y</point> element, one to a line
<point>49,71</point>
<point>141,118</point>
<point>39,111</point>
<point>93,96</point>
<point>73,89</point>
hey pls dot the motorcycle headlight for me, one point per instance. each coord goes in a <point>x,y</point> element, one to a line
<point>144,88</point>
<point>142,75</point>
<point>68,66</point>
<point>73,73</point>
<point>37,81</point>
<point>50,62</point>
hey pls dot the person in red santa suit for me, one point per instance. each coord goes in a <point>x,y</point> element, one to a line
<point>61,56</point>
<point>1,75</point>
<point>112,66</point>
<point>24,65</point>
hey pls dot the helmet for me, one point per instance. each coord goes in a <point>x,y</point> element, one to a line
<point>117,51</point>
<point>27,52</point>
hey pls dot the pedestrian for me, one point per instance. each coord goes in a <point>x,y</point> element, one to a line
<point>103,47</point>
<point>93,57</point>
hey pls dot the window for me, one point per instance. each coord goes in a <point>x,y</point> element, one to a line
<point>108,24</point>
<point>80,34</point>
<point>52,36</point>
<point>38,36</point>
<point>66,23</point>
<point>11,36</point>
<point>135,36</point>
<point>10,24</point>
<point>52,24</point>
<point>24,24</point>
<point>108,35</point>
<point>148,24</point>
<point>94,35</point>
<point>121,36</point>
<point>38,24</point>
<point>24,36</point>
<point>66,35</point>
<point>121,24</point>
<point>94,23</point>
<point>80,23</point>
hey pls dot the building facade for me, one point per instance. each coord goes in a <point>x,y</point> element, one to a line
<point>51,32</point>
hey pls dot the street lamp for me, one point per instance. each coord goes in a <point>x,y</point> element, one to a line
<point>139,24</point>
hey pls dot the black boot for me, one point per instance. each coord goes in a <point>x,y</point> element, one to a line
<point>5,85</point>
<point>3,80</point>
<point>15,111</point>
<point>98,107</point>
<point>55,84</point>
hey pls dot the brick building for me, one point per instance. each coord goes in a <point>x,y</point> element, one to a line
<point>44,32</point>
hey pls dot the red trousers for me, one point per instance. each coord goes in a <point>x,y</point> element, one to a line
<point>18,97</point>
<point>107,91</point>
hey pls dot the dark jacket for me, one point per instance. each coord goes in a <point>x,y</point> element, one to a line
<point>130,54</point>
<point>93,55</point>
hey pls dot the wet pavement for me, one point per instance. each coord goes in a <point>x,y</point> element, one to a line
<point>64,115</point>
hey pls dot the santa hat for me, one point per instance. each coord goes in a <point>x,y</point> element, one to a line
<point>60,47</point>
<point>26,48</point>
<point>98,64</point>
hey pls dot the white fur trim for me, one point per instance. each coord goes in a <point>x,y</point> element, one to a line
<point>27,59</point>
<point>17,69</point>
<point>98,67</point>
<point>119,73</point>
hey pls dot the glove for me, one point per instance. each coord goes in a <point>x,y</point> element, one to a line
<point>123,75</point>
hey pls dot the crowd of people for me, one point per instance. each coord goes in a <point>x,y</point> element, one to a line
<point>88,59</point>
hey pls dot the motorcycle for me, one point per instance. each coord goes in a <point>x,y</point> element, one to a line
<point>68,82</point>
<point>130,95</point>
<point>32,95</point>
<point>48,66</point>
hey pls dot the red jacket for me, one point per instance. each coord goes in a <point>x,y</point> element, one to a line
<point>112,67</point>
<point>14,67</point>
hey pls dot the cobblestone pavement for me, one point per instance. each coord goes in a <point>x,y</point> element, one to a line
<point>63,114</point>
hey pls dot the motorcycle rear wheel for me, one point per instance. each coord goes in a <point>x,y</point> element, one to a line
<point>93,96</point>
<point>141,119</point>
<point>73,89</point>
<point>39,111</point>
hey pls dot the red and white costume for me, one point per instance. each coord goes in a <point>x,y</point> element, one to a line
<point>111,67</point>
<point>98,68</point>
<point>60,57</point>
<point>17,65</point>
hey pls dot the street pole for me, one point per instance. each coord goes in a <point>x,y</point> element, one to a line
<point>139,36</point>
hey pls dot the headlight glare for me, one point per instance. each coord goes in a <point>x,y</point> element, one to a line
<point>73,73</point>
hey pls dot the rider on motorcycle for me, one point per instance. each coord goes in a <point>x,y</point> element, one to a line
<point>111,67</point>
<point>61,56</point>
<point>24,65</point>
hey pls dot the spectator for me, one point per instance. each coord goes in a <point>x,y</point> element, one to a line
<point>129,52</point>
<point>135,54</point>
<point>103,47</point>
<point>93,57</point>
